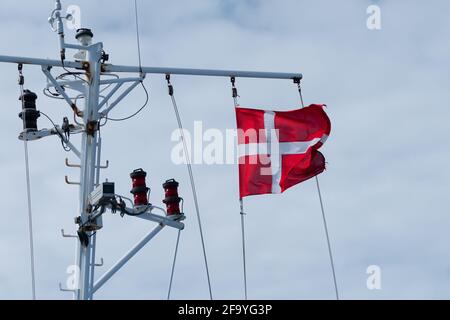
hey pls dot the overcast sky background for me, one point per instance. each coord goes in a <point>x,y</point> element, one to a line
<point>385,190</point>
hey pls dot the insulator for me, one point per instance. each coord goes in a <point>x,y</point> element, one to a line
<point>140,189</point>
<point>29,114</point>
<point>172,200</point>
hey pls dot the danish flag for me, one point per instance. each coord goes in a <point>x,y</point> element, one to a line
<point>278,150</point>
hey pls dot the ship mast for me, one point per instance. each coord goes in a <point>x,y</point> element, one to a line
<point>94,199</point>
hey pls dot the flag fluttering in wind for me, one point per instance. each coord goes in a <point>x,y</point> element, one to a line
<point>278,150</point>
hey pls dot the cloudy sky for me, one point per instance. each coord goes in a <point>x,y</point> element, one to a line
<point>385,190</point>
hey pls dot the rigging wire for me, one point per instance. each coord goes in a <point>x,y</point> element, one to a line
<point>75,74</point>
<point>244,247</point>
<point>51,95</point>
<point>173,265</point>
<point>191,177</point>
<point>64,140</point>
<point>28,182</point>
<point>57,95</point>
<point>325,224</point>
<point>175,256</point>
<point>330,252</point>
<point>137,112</point>
<point>49,119</point>
<point>241,201</point>
<point>138,42</point>
<point>138,37</point>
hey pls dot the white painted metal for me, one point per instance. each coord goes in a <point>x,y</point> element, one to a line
<point>159,219</point>
<point>102,82</point>
<point>126,258</point>
<point>58,87</point>
<point>121,97</point>
<point>40,62</point>
<point>109,95</point>
<point>204,72</point>
<point>159,70</point>
<point>88,162</point>
<point>37,135</point>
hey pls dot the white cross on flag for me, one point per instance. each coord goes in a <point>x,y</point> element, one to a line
<point>278,150</point>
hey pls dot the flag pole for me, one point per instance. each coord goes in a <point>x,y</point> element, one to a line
<point>325,224</point>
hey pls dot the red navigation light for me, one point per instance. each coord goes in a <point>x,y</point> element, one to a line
<point>172,199</point>
<point>140,189</point>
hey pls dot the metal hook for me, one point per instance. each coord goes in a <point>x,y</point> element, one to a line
<point>72,165</point>
<point>106,166</point>
<point>101,264</point>
<point>234,89</point>
<point>71,183</point>
<point>67,235</point>
<point>64,290</point>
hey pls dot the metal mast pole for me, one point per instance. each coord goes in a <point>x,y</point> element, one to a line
<point>89,151</point>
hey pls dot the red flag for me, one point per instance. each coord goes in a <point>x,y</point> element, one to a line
<point>278,150</point>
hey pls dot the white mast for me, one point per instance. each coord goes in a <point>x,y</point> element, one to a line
<point>90,149</point>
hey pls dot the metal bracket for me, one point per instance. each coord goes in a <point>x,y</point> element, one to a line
<point>119,83</point>
<point>100,282</point>
<point>101,264</point>
<point>174,222</point>
<point>36,135</point>
<point>121,97</point>
<point>72,165</point>
<point>65,290</point>
<point>106,166</point>
<point>63,233</point>
<point>66,178</point>
<point>60,90</point>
